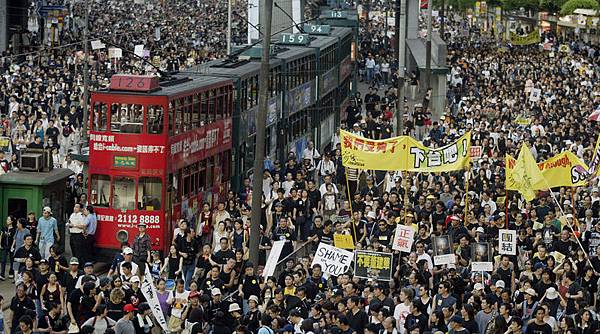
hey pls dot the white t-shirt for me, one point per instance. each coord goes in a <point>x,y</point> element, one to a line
<point>178,302</point>
<point>76,218</point>
<point>100,325</point>
<point>400,312</point>
<point>134,268</point>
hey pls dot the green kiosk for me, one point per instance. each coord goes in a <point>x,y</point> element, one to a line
<point>22,192</point>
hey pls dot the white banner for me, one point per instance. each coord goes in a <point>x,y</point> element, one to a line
<point>507,242</point>
<point>150,294</point>
<point>297,14</point>
<point>115,53</point>
<point>273,258</point>
<point>333,261</point>
<point>482,266</point>
<point>403,239</point>
<point>138,50</point>
<point>97,45</point>
<point>253,20</point>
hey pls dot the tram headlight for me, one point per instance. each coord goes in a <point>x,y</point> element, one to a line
<point>122,236</point>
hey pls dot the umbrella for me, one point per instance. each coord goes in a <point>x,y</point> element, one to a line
<point>595,116</point>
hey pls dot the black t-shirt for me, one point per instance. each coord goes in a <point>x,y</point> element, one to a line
<point>358,321</point>
<point>325,237</point>
<point>23,253</point>
<point>534,328</point>
<point>221,257</point>
<point>57,324</point>
<point>75,300</point>
<point>250,286</point>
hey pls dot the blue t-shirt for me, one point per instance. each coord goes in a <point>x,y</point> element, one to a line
<point>46,228</point>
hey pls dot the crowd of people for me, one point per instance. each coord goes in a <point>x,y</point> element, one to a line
<point>206,284</point>
<point>41,86</point>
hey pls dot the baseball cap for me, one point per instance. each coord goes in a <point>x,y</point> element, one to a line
<point>456,318</point>
<point>254,298</point>
<point>129,308</point>
<point>142,225</point>
<point>127,250</point>
<point>74,260</point>
<point>134,279</point>
<point>478,286</point>
<point>480,230</point>
<point>43,261</point>
<point>215,291</point>
<point>47,209</point>
<point>500,284</point>
<point>88,264</point>
<point>193,294</point>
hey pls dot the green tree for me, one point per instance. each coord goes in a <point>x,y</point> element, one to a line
<point>552,6</point>
<point>570,6</point>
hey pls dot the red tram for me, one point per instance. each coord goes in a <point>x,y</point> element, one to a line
<point>158,150</point>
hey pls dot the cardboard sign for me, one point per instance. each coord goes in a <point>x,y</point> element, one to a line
<point>373,265</point>
<point>138,50</point>
<point>343,241</point>
<point>481,257</point>
<point>273,258</point>
<point>115,53</point>
<point>333,261</point>
<point>403,238</point>
<point>535,94</point>
<point>97,45</point>
<point>507,242</point>
<point>442,250</point>
<point>476,152</point>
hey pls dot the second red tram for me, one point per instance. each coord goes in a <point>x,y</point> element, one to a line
<point>158,150</point>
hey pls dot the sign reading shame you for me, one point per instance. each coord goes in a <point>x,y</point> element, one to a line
<point>334,261</point>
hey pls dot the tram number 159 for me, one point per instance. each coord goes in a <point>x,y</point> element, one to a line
<point>133,219</point>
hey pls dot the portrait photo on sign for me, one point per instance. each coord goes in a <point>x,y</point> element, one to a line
<point>442,245</point>
<point>480,252</point>
<point>443,252</point>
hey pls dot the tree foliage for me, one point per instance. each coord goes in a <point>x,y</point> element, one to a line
<point>551,6</point>
<point>571,5</point>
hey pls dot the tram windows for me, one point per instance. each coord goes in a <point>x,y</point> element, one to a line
<point>196,111</point>
<point>126,118</point>
<point>211,107</point>
<point>202,176</point>
<point>155,117</point>
<point>220,102</point>
<point>204,108</point>
<point>100,116</point>
<point>178,116</point>
<point>123,193</point>
<point>187,113</point>
<point>149,193</point>
<point>171,120</point>
<point>100,190</point>
<point>210,165</point>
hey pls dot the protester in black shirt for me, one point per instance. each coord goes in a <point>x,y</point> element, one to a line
<point>225,253</point>
<point>539,326</point>
<point>20,305</point>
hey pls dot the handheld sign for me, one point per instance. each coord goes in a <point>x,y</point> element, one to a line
<point>373,265</point>
<point>403,239</point>
<point>343,241</point>
<point>333,261</point>
<point>481,257</point>
<point>507,240</point>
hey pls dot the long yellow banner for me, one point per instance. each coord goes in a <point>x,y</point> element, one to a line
<point>403,154</point>
<point>562,170</point>
<point>531,38</point>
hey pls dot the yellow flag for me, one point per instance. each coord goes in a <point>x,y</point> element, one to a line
<point>526,173</point>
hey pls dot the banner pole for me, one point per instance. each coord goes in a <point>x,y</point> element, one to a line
<point>406,189</point>
<point>568,223</point>
<point>350,203</point>
<point>506,207</point>
<point>467,174</point>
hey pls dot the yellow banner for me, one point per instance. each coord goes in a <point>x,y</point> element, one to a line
<point>455,156</point>
<point>403,154</point>
<point>562,170</point>
<point>532,38</point>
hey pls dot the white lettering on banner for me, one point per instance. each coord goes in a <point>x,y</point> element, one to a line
<point>403,239</point>
<point>333,261</point>
<point>273,258</point>
<point>128,149</point>
<point>103,138</point>
<point>507,240</point>
<point>149,292</point>
<point>437,157</point>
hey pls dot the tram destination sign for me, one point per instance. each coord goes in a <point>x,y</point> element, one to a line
<point>120,161</point>
<point>135,83</point>
<point>336,14</point>
<point>317,29</point>
<point>294,39</point>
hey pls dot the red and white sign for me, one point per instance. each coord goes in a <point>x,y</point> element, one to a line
<point>476,152</point>
<point>404,238</point>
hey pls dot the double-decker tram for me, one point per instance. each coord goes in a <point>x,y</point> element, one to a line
<point>158,150</point>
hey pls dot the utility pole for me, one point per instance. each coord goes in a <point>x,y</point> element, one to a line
<point>229,27</point>
<point>86,81</point>
<point>401,64</point>
<point>261,116</point>
<point>443,19</point>
<point>428,45</point>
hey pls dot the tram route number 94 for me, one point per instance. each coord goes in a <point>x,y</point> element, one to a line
<point>134,219</point>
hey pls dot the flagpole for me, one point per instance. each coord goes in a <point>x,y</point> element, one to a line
<point>467,191</point>
<point>350,203</point>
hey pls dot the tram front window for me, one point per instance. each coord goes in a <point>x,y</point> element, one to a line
<point>123,193</point>
<point>100,190</point>
<point>150,192</point>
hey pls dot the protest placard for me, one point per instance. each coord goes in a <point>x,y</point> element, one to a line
<point>507,242</point>
<point>333,261</point>
<point>373,265</point>
<point>442,250</point>
<point>481,259</point>
<point>403,239</point>
<point>273,258</point>
<point>343,241</point>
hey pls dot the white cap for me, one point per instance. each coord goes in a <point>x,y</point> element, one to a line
<point>233,307</point>
<point>47,209</point>
<point>371,214</point>
<point>215,291</point>
<point>478,286</point>
<point>134,279</point>
<point>127,250</point>
<point>500,284</point>
<point>480,230</point>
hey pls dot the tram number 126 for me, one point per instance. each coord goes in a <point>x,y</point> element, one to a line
<point>133,219</point>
